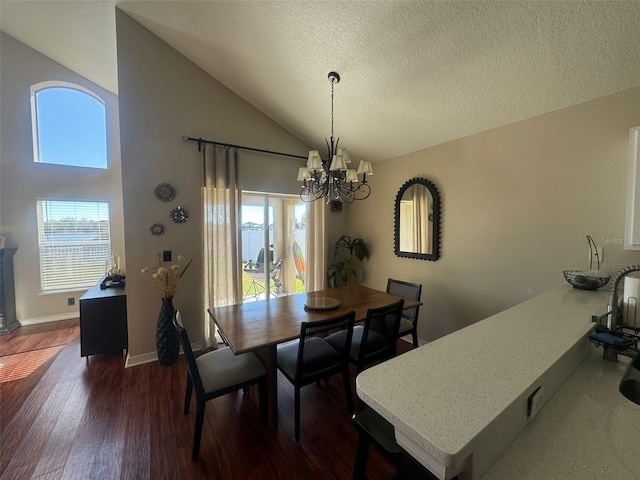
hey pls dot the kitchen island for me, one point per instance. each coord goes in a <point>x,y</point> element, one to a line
<point>457,403</point>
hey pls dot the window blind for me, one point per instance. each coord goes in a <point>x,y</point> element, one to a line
<point>74,243</point>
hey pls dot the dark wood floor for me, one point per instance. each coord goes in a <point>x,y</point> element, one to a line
<point>63,420</point>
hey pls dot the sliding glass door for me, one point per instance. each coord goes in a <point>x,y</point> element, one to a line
<point>273,245</point>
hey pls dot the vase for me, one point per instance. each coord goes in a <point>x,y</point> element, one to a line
<point>167,341</point>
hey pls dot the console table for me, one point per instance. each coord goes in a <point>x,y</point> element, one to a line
<point>103,321</point>
<point>8,319</point>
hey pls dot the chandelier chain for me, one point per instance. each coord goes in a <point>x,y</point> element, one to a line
<point>332,84</point>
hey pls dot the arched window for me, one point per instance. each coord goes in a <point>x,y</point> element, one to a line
<point>69,125</point>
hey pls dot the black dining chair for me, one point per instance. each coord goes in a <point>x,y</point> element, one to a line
<point>311,359</point>
<point>218,373</point>
<point>409,320</point>
<point>376,340</point>
<point>373,429</point>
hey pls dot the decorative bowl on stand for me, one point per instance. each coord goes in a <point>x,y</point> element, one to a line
<point>586,279</point>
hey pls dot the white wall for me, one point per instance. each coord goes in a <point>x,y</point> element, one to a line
<point>517,202</point>
<point>22,180</point>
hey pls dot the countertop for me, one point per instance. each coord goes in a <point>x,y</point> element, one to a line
<point>587,430</point>
<point>458,402</point>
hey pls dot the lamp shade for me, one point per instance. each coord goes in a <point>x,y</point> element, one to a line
<point>338,163</point>
<point>352,176</point>
<point>365,167</point>
<point>303,174</point>
<point>314,163</point>
<point>345,154</point>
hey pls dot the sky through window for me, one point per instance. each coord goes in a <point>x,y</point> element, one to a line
<point>71,128</point>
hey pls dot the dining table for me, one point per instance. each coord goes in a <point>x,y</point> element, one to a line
<point>260,326</point>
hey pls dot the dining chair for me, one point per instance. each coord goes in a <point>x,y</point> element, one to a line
<point>376,340</point>
<point>218,373</point>
<point>409,320</point>
<point>373,429</point>
<point>311,359</point>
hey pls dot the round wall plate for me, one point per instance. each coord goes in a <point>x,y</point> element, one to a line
<point>179,215</point>
<point>157,229</point>
<point>165,192</point>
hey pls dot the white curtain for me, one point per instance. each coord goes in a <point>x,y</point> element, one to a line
<point>421,197</point>
<point>222,231</point>
<point>316,254</point>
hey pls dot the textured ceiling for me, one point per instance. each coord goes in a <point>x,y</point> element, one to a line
<point>414,74</point>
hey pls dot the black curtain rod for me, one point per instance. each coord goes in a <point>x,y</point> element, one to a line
<point>213,142</point>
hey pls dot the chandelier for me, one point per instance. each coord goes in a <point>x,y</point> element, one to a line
<point>332,178</point>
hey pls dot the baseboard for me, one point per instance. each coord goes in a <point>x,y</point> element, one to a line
<point>132,361</point>
<point>409,338</point>
<point>149,357</point>
<point>49,318</point>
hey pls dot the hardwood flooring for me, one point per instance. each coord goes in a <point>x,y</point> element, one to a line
<point>63,420</point>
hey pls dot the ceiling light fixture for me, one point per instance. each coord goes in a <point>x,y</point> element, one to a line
<point>331,178</point>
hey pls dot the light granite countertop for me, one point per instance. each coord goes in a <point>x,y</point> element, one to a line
<point>587,430</point>
<point>458,402</point>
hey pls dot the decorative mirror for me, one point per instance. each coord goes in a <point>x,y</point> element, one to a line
<point>417,220</point>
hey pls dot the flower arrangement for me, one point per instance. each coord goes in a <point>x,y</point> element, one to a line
<point>166,279</point>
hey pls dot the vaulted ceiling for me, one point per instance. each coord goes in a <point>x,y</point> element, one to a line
<point>414,73</point>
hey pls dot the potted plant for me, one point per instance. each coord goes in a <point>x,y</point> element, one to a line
<point>343,272</point>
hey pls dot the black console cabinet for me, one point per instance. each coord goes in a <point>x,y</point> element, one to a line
<point>103,321</point>
<point>8,320</point>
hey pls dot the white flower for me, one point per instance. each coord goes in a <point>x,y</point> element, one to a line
<point>166,279</point>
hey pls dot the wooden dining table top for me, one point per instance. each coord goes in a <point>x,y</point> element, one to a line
<point>253,325</point>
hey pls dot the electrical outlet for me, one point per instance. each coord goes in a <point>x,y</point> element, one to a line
<point>594,258</point>
<point>534,403</point>
<point>71,301</point>
<point>166,255</point>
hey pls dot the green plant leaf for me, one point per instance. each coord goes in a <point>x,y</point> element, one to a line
<point>360,248</point>
<point>343,242</point>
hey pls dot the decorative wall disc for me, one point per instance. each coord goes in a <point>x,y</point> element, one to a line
<point>179,215</point>
<point>165,192</point>
<point>157,229</point>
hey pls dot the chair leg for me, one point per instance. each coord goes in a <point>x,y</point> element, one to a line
<point>346,379</point>
<point>362,453</point>
<point>414,334</point>
<point>297,412</point>
<point>262,399</point>
<point>197,432</point>
<point>187,395</point>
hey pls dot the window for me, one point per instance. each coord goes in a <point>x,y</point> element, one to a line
<point>69,125</point>
<point>74,242</point>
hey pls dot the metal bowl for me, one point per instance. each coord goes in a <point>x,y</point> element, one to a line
<point>586,279</point>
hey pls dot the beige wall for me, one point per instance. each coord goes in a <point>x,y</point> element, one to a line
<point>164,96</point>
<point>517,202</point>
<point>22,180</point>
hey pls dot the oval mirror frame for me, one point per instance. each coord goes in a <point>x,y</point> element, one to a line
<point>435,241</point>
